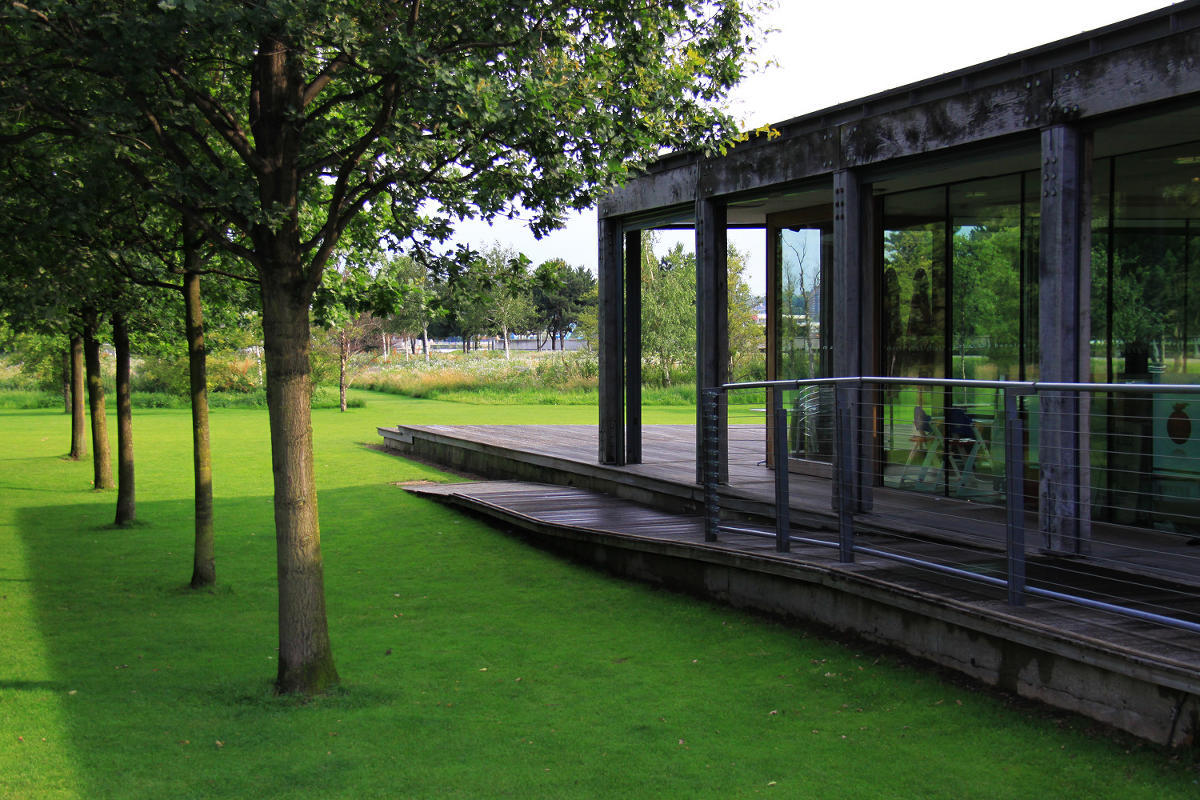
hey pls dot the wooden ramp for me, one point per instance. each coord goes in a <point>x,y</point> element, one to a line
<point>1121,671</point>
<point>666,479</point>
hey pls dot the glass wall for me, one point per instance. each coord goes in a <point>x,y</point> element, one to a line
<point>959,301</point>
<point>805,255</point>
<point>1146,329</point>
<point>1145,304</point>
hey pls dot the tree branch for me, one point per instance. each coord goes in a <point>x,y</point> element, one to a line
<point>222,121</point>
<point>323,79</point>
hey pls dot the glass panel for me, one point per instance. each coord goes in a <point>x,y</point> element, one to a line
<point>914,328</point>
<point>800,347</point>
<point>986,318</point>
<point>914,283</point>
<point>986,297</point>
<point>1031,226</point>
<point>1146,329</point>
<point>970,313</point>
<point>805,254</point>
<point>1103,406</point>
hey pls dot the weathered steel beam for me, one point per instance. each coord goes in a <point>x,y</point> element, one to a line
<point>612,343</point>
<point>712,320</point>
<point>1115,81</point>
<point>1064,281</point>
<point>1120,68</point>
<point>658,189</point>
<point>752,166</point>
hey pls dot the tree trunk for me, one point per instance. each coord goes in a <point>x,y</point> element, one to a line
<point>126,502</point>
<point>204,565</point>
<point>78,437</point>
<point>305,657</point>
<point>504,333</point>
<point>66,380</point>
<point>101,461</point>
<point>425,340</point>
<point>342,358</point>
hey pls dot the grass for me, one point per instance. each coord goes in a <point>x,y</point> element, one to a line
<point>473,666</point>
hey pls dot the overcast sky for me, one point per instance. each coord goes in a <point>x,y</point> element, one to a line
<point>824,53</point>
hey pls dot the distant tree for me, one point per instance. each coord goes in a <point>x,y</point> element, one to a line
<point>353,300</point>
<point>510,308</point>
<point>418,304</point>
<point>669,310</point>
<point>464,298</point>
<point>560,294</point>
<point>746,335</point>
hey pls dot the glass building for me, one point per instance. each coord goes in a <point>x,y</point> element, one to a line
<point>1028,219</point>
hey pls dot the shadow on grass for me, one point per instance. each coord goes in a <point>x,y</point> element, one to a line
<point>476,667</point>
<point>169,691</point>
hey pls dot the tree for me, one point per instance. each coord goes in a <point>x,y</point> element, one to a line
<point>559,294</point>
<point>746,336</point>
<point>464,298</point>
<point>669,309</point>
<point>278,123</point>
<point>417,303</point>
<point>351,305</point>
<point>510,308</point>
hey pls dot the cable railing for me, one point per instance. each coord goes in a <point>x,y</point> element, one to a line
<point>1081,493</point>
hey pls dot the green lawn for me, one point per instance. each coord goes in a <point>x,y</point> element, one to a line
<point>473,666</point>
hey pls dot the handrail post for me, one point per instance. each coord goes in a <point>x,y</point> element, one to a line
<point>844,471</point>
<point>783,520</point>
<point>1014,497</point>
<point>710,410</point>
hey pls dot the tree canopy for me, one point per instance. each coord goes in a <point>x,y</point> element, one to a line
<point>282,126</point>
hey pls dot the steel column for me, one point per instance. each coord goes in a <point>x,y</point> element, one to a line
<point>844,468</point>
<point>783,500</point>
<point>709,462</point>
<point>853,323</point>
<point>712,321</point>
<point>612,343</point>
<point>633,347</point>
<point>1064,283</point>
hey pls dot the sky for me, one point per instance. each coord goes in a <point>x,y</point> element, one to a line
<point>823,53</point>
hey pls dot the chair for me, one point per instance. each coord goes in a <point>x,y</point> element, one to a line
<point>964,444</point>
<point>926,439</point>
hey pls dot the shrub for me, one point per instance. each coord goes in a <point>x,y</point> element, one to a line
<point>161,375</point>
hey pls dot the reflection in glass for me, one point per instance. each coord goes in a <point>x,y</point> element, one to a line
<point>914,313</point>
<point>805,254</point>
<point>1146,329</point>
<point>958,301</point>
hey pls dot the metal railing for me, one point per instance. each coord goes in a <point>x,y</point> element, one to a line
<point>1113,523</point>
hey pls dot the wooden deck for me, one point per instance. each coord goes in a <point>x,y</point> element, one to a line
<point>566,454</point>
<point>653,510</point>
